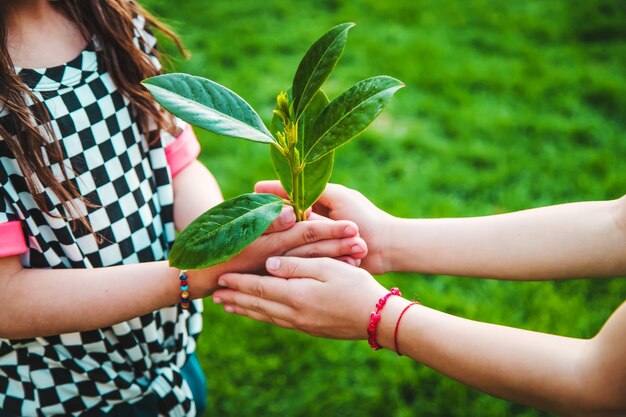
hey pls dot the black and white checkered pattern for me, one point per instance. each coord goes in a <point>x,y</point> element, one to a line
<point>129,182</point>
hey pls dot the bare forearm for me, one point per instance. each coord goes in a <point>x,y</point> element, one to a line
<point>545,371</point>
<point>565,241</point>
<point>569,376</point>
<point>37,302</point>
<point>43,302</point>
<point>195,191</point>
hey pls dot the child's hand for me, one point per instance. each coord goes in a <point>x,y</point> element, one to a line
<point>342,203</point>
<point>333,239</point>
<point>321,297</point>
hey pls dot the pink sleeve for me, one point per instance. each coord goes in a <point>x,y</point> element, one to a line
<point>12,240</point>
<point>182,151</point>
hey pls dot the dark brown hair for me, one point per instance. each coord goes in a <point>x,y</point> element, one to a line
<point>27,133</point>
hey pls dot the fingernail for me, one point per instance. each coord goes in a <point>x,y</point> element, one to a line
<point>350,230</point>
<point>357,249</point>
<point>229,309</point>
<point>217,300</point>
<point>273,264</point>
<point>221,283</point>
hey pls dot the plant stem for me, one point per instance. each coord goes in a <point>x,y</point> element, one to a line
<point>296,189</point>
<point>295,166</point>
<point>301,190</point>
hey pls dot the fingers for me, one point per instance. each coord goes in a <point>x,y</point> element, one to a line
<point>284,221</point>
<point>354,247</point>
<point>242,303</point>
<point>257,297</point>
<point>240,311</point>
<point>270,187</point>
<point>310,232</point>
<point>258,286</point>
<point>328,197</point>
<point>316,268</point>
<point>316,216</point>
<point>349,260</point>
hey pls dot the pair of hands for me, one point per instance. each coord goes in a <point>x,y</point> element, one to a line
<point>307,290</point>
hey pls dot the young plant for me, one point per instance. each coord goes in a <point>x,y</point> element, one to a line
<point>305,130</point>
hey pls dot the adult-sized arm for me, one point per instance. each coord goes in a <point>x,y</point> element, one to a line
<point>586,239</point>
<point>567,376</point>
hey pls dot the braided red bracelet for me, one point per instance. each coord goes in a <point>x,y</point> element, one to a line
<point>395,332</point>
<point>375,318</point>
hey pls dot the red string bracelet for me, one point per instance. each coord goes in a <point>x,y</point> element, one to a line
<point>375,318</point>
<point>395,332</point>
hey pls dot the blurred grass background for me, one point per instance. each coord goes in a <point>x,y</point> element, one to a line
<point>507,106</point>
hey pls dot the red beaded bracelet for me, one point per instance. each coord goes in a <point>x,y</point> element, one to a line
<point>375,318</point>
<point>184,286</point>
<point>395,332</point>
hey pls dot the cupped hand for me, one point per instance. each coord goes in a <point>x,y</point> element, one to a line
<point>342,203</point>
<point>319,296</point>
<point>334,239</point>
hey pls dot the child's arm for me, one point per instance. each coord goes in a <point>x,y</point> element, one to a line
<point>195,188</point>
<point>195,191</point>
<point>43,302</point>
<point>565,241</point>
<point>568,376</point>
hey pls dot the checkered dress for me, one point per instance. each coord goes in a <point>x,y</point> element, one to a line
<point>130,183</point>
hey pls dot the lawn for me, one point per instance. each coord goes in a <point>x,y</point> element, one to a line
<point>507,106</point>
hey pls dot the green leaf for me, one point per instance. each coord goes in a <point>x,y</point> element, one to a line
<point>315,176</point>
<point>313,179</point>
<point>224,231</point>
<point>281,168</point>
<point>318,103</point>
<point>206,104</point>
<point>348,115</point>
<point>317,65</point>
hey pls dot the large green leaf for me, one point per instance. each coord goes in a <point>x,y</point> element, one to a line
<point>317,65</point>
<point>348,115</point>
<point>224,230</point>
<point>318,103</point>
<point>316,174</point>
<point>208,105</point>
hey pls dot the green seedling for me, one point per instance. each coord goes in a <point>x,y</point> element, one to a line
<point>304,132</point>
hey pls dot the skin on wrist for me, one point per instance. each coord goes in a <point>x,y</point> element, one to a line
<point>388,319</point>
<point>202,282</point>
<point>395,251</point>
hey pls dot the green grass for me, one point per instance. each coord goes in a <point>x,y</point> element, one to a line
<point>508,105</point>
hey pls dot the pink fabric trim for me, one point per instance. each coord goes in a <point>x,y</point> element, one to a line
<point>12,240</point>
<point>182,151</point>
